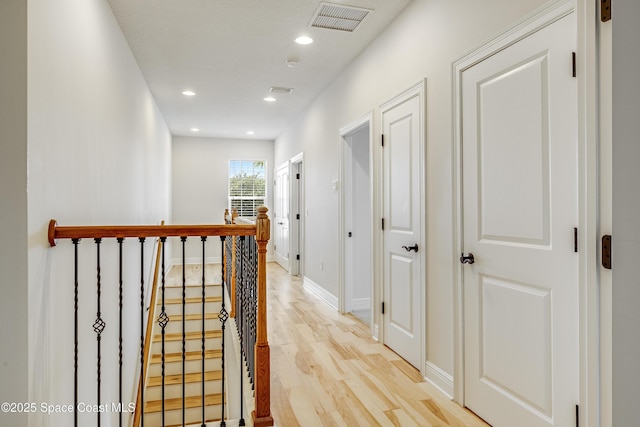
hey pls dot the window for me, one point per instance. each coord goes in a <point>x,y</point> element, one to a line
<point>247,186</point>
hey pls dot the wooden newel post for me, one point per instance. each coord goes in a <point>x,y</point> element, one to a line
<point>262,413</point>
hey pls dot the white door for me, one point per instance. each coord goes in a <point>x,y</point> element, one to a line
<point>281,216</point>
<point>402,169</point>
<point>520,193</point>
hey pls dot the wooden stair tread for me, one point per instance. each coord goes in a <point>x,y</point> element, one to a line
<point>189,378</point>
<point>191,285</point>
<point>213,420</point>
<point>190,300</point>
<point>196,335</point>
<point>176,403</point>
<point>189,355</point>
<point>198,316</point>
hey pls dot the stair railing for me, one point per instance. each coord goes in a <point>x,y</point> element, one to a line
<point>245,257</point>
<point>260,231</point>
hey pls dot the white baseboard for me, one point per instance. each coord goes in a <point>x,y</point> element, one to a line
<point>361,304</point>
<point>321,292</point>
<point>439,378</point>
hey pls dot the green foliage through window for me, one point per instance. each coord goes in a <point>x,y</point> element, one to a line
<point>247,186</point>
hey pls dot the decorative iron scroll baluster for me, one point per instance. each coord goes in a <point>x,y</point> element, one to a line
<point>98,325</point>
<point>183,239</point>
<point>246,260</point>
<point>242,302</point>
<point>228,259</point>
<point>251,265</point>
<point>120,305</point>
<point>142,311</point>
<point>240,317</point>
<point>75,333</point>
<point>223,316</point>
<point>163,320</point>
<point>204,240</point>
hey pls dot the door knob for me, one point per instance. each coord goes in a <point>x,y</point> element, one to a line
<point>467,259</point>
<point>411,248</point>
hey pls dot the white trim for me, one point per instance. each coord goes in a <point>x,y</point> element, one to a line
<point>284,262</point>
<point>439,379</point>
<point>345,303</point>
<point>360,304</point>
<point>589,226</point>
<point>298,158</point>
<point>587,192</point>
<point>320,292</point>
<point>296,234</point>
<point>416,90</point>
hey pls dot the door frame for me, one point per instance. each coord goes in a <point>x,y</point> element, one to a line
<point>296,234</point>
<point>345,285</point>
<point>286,165</point>
<point>588,187</point>
<point>416,90</point>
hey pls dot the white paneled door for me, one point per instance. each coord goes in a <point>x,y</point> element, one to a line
<point>402,212</point>
<point>520,210</point>
<point>281,216</point>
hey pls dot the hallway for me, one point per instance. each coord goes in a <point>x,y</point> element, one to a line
<point>326,370</point>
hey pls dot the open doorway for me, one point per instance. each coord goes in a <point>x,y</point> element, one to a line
<point>357,229</point>
<point>297,216</point>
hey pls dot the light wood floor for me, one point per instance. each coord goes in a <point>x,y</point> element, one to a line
<point>326,370</point>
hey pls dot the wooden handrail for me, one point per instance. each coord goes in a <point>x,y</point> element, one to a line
<point>105,231</point>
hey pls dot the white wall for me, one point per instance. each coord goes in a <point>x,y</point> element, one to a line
<point>626,213</point>
<point>423,42</point>
<point>99,152</point>
<point>13,207</point>
<point>200,185</point>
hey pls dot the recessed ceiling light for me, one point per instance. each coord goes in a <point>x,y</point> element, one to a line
<point>195,130</point>
<point>188,93</point>
<point>304,40</point>
<point>250,132</point>
<point>269,99</point>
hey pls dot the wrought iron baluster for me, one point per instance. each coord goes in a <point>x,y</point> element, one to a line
<point>163,320</point>
<point>75,333</point>
<point>249,254</point>
<point>120,306</point>
<point>142,311</point>
<point>240,318</point>
<point>223,316</point>
<point>204,240</point>
<point>240,281</point>
<point>98,326</point>
<point>183,239</point>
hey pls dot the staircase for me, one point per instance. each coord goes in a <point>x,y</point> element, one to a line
<point>181,360</point>
<point>193,358</point>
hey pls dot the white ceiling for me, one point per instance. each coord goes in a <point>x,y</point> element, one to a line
<point>230,52</point>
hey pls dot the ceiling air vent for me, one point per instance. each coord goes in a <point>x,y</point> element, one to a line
<point>338,17</point>
<point>276,89</point>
